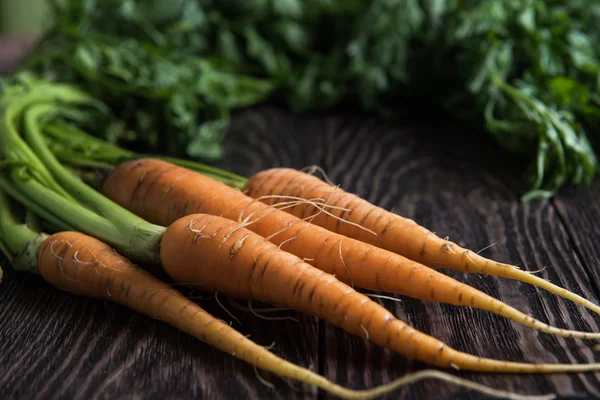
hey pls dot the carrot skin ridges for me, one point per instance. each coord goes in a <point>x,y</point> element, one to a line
<point>85,266</point>
<point>392,232</point>
<point>215,254</point>
<point>162,193</point>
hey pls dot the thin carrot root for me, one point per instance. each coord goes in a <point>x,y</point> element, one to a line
<point>321,205</point>
<point>239,306</point>
<point>225,309</point>
<point>380,296</point>
<point>391,231</point>
<point>201,250</point>
<point>443,376</point>
<point>258,313</point>
<point>162,193</point>
<point>313,169</point>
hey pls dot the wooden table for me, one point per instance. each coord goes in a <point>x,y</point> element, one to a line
<point>456,182</point>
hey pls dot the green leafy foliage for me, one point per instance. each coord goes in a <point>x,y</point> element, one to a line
<point>526,71</point>
<point>172,98</point>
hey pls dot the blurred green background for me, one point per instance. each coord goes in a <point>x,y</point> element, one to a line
<point>20,17</point>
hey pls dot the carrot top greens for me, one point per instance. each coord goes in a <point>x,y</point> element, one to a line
<point>33,176</point>
<point>526,72</point>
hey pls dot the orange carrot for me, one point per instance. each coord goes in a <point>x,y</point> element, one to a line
<point>215,254</point>
<point>88,267</point>
<point>385,229</point>
<point>161,193</point>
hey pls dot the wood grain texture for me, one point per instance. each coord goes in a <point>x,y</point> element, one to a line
<point>57,346</point>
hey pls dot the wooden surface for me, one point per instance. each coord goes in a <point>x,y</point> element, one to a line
<point>57,346</point>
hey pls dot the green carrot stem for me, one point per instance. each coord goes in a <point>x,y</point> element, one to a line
<point>14,192</point>
<point>141,244</point>
<point>43,184</point>
<point>19,242</point>
<point>10,140</point>
<point>69,136</point>
<point>77,147</point>
<point>127,223</point>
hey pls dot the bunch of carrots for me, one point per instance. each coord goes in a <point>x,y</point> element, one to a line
<point>282,237</point>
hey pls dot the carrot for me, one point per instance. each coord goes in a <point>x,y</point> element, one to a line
<point>385,229</point>
<point>88,267</point>
<point>215,254</point>
<point>161,193</point>
<point>187,256</point>
<point>88,211</point>
<point>452,256</point>
<point>85,266</point>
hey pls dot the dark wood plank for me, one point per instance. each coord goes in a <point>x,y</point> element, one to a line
<point>579,211</point>
<point>448,182</point>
